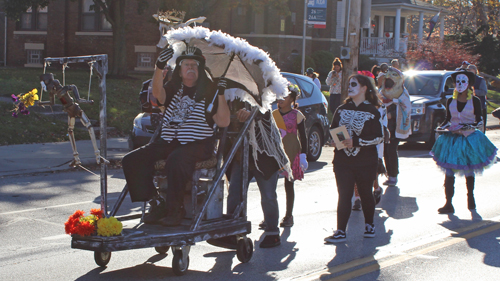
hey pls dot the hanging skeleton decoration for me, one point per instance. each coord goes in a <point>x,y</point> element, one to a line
<point>55,89</point>
<point>170,20</point>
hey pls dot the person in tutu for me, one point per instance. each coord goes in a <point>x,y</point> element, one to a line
<point>462,148</point>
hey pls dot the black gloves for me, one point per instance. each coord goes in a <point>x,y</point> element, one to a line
<point>164,56</point>
<point>221,86</point>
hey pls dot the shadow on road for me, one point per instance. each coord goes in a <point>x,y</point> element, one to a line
<point>487,245</point>
<point>398,207</point>
<point>358,253</point>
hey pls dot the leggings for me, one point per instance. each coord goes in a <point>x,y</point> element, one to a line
<point>346,177</point>
<point>290,197</point>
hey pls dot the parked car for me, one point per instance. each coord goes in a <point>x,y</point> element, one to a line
<point>312,103</point>
<point>429,90</point>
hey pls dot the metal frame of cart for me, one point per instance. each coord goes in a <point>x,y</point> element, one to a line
<point>136,235</point>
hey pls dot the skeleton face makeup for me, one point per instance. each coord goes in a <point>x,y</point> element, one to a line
<point>462,83</point>
<point>354,88</point>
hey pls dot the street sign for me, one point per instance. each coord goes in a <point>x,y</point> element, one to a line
<point>316,13</point>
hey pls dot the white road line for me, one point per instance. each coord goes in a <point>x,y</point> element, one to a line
<point>51,207</point>
<point>56,237</point>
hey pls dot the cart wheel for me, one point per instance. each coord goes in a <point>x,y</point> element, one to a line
<point>162,250</point>
<point>244,250</point>
<point>179,266</point>
<point>102,258</point>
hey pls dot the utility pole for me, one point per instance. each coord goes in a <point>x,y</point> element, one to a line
<point>304,38</point>
<point>353,36</point>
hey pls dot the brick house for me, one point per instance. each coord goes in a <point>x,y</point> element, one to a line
<point>70,28</point>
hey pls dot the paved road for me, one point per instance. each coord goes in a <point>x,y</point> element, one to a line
<point>413,242</point>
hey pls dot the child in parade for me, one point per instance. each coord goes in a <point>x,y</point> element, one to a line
<point>291,123</point>
<point>357,162</point>
<point>462,148</point>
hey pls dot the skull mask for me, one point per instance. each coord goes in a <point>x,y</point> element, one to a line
<point>462,83</point>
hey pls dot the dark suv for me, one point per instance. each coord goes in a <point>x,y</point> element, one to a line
<point>312,103</point>
<point>429,90</point>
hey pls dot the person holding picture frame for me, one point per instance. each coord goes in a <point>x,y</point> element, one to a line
<point>357,162</point>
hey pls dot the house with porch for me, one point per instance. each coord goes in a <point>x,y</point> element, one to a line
<point>391,24</point>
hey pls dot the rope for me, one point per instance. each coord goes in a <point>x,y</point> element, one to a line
<point>85,169</point>
<point>91,64</point>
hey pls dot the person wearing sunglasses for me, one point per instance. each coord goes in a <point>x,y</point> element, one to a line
<point>357,163</point>
<point>462,148</point>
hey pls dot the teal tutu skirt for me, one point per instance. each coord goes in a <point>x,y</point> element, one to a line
<point>461,154</point>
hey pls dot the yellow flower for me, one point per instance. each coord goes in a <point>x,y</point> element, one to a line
<point>109,227</point>
<point>29,98</point>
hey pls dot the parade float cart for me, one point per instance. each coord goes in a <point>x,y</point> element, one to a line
<point>253,79</point>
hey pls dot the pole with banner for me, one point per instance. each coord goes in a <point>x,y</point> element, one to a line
<point>314,14</point>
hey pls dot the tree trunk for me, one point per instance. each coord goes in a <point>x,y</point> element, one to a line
<point>119,66</point>
<point>350,66</point>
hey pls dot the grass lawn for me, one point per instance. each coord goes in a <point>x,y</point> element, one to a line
<point>493,99</point>
<point>122,104</point>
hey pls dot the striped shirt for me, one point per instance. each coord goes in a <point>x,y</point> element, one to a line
<point>185,119</point>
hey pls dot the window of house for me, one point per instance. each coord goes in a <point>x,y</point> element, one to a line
<point>389,24</point>
<point>34,19</point>
<point>92,18</point>
<point>145,59</point>
<point>34,56</point>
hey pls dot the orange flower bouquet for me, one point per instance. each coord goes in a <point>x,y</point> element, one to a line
<point>93,224</point>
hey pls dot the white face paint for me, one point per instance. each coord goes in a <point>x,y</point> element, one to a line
<point>462,83</point>
<point>354,87</point>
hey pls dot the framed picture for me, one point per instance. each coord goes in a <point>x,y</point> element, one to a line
<point>339,134</point>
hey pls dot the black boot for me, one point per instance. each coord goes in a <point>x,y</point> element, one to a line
<point>157,211</point>
<point>471,203</point>
<point>174,217</point>
<point>449,191</point>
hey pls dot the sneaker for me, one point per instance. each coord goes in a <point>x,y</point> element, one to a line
<point>270,241</point>
<point>287,221</point>
<point>357,205</point>
<point>377,195</point>
<point>263,225</point>
<point>157,211</point>
<point>337,237</point>
<point>369,231</point>
<point>391,181</point>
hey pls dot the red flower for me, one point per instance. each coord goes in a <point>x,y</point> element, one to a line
<point>97,212</point>
<point>85,228</point>
<point>73,221</point>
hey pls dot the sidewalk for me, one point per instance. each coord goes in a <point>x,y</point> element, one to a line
<point>47,157</point>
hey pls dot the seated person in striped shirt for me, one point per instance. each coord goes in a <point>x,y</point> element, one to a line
<point>187,135</point>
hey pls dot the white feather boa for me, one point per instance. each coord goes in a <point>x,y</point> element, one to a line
<point>278,88</point>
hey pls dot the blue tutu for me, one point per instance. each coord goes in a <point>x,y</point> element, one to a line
<point>462,154</point>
